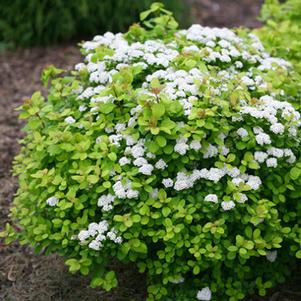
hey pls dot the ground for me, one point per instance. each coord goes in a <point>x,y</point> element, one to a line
<point>28,277</point>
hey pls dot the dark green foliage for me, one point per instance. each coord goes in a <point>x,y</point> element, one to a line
<point>43,22</point>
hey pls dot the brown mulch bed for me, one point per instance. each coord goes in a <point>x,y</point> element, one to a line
<point>230,13</point>
<point>28,277</point>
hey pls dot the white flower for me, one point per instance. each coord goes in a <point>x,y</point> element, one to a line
<point>115,139</point>
<point>160,164</point>
<point>178,281</point>
<point>260,157</point>
<point>263,138</point>
<point>140,161</point>
<point>183,181</point>
<point>83,235</point>
<point>167,182</point>
<point>137,151</point>
<point>247,81</point>
<point>233,172</point>
<point>120,127</point>
<point>224,150</point>
<point>276,152</point>
<point>181,147</point>
<point>242,198</point>
<point>150,155</point>
<point>257,130</point>
<point>95,245</point>
<point>132,194</point>
<point>228,205</point>
<point>146,169</point>
<point>132,121</point>
<point>109,130</point>
<point>195,145</point>
<point>105,202</point>
<point>82,108</point>
<point>124,160</point>
<point>112,235</point>
<point>288,153</point>
<point>79,66</point>
<point>103,226</point>
<point>119,190</point>
<point>52,201</point>
<point>271,256</point>
<point>211,151</point>
<point>242,132</point>
<point>254,182</point>
<point>93,229</point>
<point>271,162</point>
<point>277,128</point>
<point>237,181</point>
<point>211,198</point>
<point>204,294</point>
<point>292,131</point>
<point>129,140</point>
<point>69,119</point>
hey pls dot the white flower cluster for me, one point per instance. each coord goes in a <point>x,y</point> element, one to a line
<point>228,205</point>
<point>204,294</point>
<point>178,280</point>
<point>273,154</point>
<point>276,113</point>
<point>70,119</point>
<point>211,198</point>
<point>187,180</point>
<point>242,198</point>
<point>52,201</point>
<point>99,232</point>
<point>125,191</point>
<point>160,164</point>
<point>242,132</point>
<point>106,201</point>
<point>178,85</point>
<point>271,256</point>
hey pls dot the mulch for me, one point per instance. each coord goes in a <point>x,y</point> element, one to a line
<point>25,276</point>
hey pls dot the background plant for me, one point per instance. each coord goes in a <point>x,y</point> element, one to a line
<point>172,149</point>
<point>282,27</point>
<point>36,22</point>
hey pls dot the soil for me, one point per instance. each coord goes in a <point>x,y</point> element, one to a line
<point>25,276</point>
<point>229,13</point>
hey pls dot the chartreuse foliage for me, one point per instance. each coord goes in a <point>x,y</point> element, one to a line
<point>282,29</point>
<point>173,149</point>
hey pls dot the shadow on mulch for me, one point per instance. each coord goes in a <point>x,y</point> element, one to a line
<point>28,277</point>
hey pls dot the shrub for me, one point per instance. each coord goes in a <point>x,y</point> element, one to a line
<point>282,27</point>
<point>172,149</point>
<point>36,22</point>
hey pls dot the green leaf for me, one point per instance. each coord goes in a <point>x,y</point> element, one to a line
<point>239,240</point>
<point>158,110</point>
<point>298,254</point>
<point>93,179</point>
<point>196,270</point>
<point>161,141</point>
<point>295,173</point>
<point>112,156</point>
<point>73,264</point>
<point>166,211</point>
<point>232,248</point>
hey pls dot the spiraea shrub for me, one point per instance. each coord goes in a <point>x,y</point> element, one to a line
<point>174,149</point>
